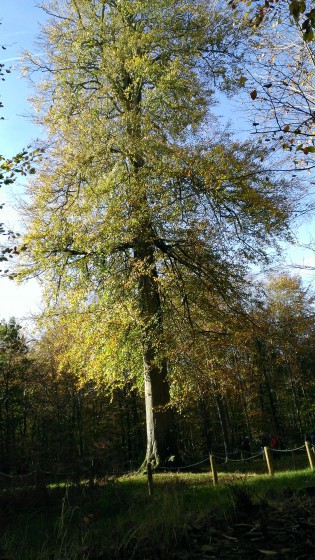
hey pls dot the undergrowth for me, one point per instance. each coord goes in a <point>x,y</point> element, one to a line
<point>116,519</point>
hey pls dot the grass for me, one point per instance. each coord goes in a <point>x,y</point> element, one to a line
<point>117,517</point>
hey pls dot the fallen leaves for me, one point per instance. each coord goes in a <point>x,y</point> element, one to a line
<point>282,527</point>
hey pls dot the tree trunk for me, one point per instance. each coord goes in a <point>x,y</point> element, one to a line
<point>159,416</point>
<point>296,402</point>
<point>262,365</point>
<point>223,423</point>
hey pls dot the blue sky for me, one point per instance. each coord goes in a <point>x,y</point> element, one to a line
<point>20,24</point>
<point>18,31</point>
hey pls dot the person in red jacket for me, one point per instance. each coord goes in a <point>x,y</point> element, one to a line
<point>274,445</point>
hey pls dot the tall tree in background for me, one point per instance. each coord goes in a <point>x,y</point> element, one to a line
<point>140,213</point>
<point>14,377</point>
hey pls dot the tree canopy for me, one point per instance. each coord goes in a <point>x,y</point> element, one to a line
<point>278,77</point>
<point>271,12</point>
<point>144,215</point>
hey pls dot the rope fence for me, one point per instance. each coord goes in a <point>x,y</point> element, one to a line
<point>184,467</point>
<point>289,450</point>
<point>248,457</point>
<point>266,453</point>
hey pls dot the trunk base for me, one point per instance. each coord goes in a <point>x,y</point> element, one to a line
<point>169,464</point>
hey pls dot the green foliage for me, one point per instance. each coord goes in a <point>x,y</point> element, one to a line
<point>142,211</point>
<point>22,163</point>
<point>75,398</point>
<point>51,421</point>
<point>14,391</point>
<point>127,165</point>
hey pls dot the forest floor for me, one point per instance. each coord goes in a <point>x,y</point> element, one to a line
<point>247,516</point>
<point>281,526</point>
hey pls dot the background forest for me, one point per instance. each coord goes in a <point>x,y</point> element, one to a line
<point>254,379</point>
<point>154,230</point>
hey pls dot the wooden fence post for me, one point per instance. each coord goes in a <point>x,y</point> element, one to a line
<point>150,479</point>
<point>214,470</point>
<point>310,455</point>
<point>269,461</point>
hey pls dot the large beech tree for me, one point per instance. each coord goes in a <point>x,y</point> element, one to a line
<point>141,208</point>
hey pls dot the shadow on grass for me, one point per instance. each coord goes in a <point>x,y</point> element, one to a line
<point>116,519</point>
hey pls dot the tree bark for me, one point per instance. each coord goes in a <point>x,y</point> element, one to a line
<point>223,422</point>
<point>159,417</point>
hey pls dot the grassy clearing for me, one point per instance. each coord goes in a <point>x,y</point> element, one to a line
<point>116,518</point>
